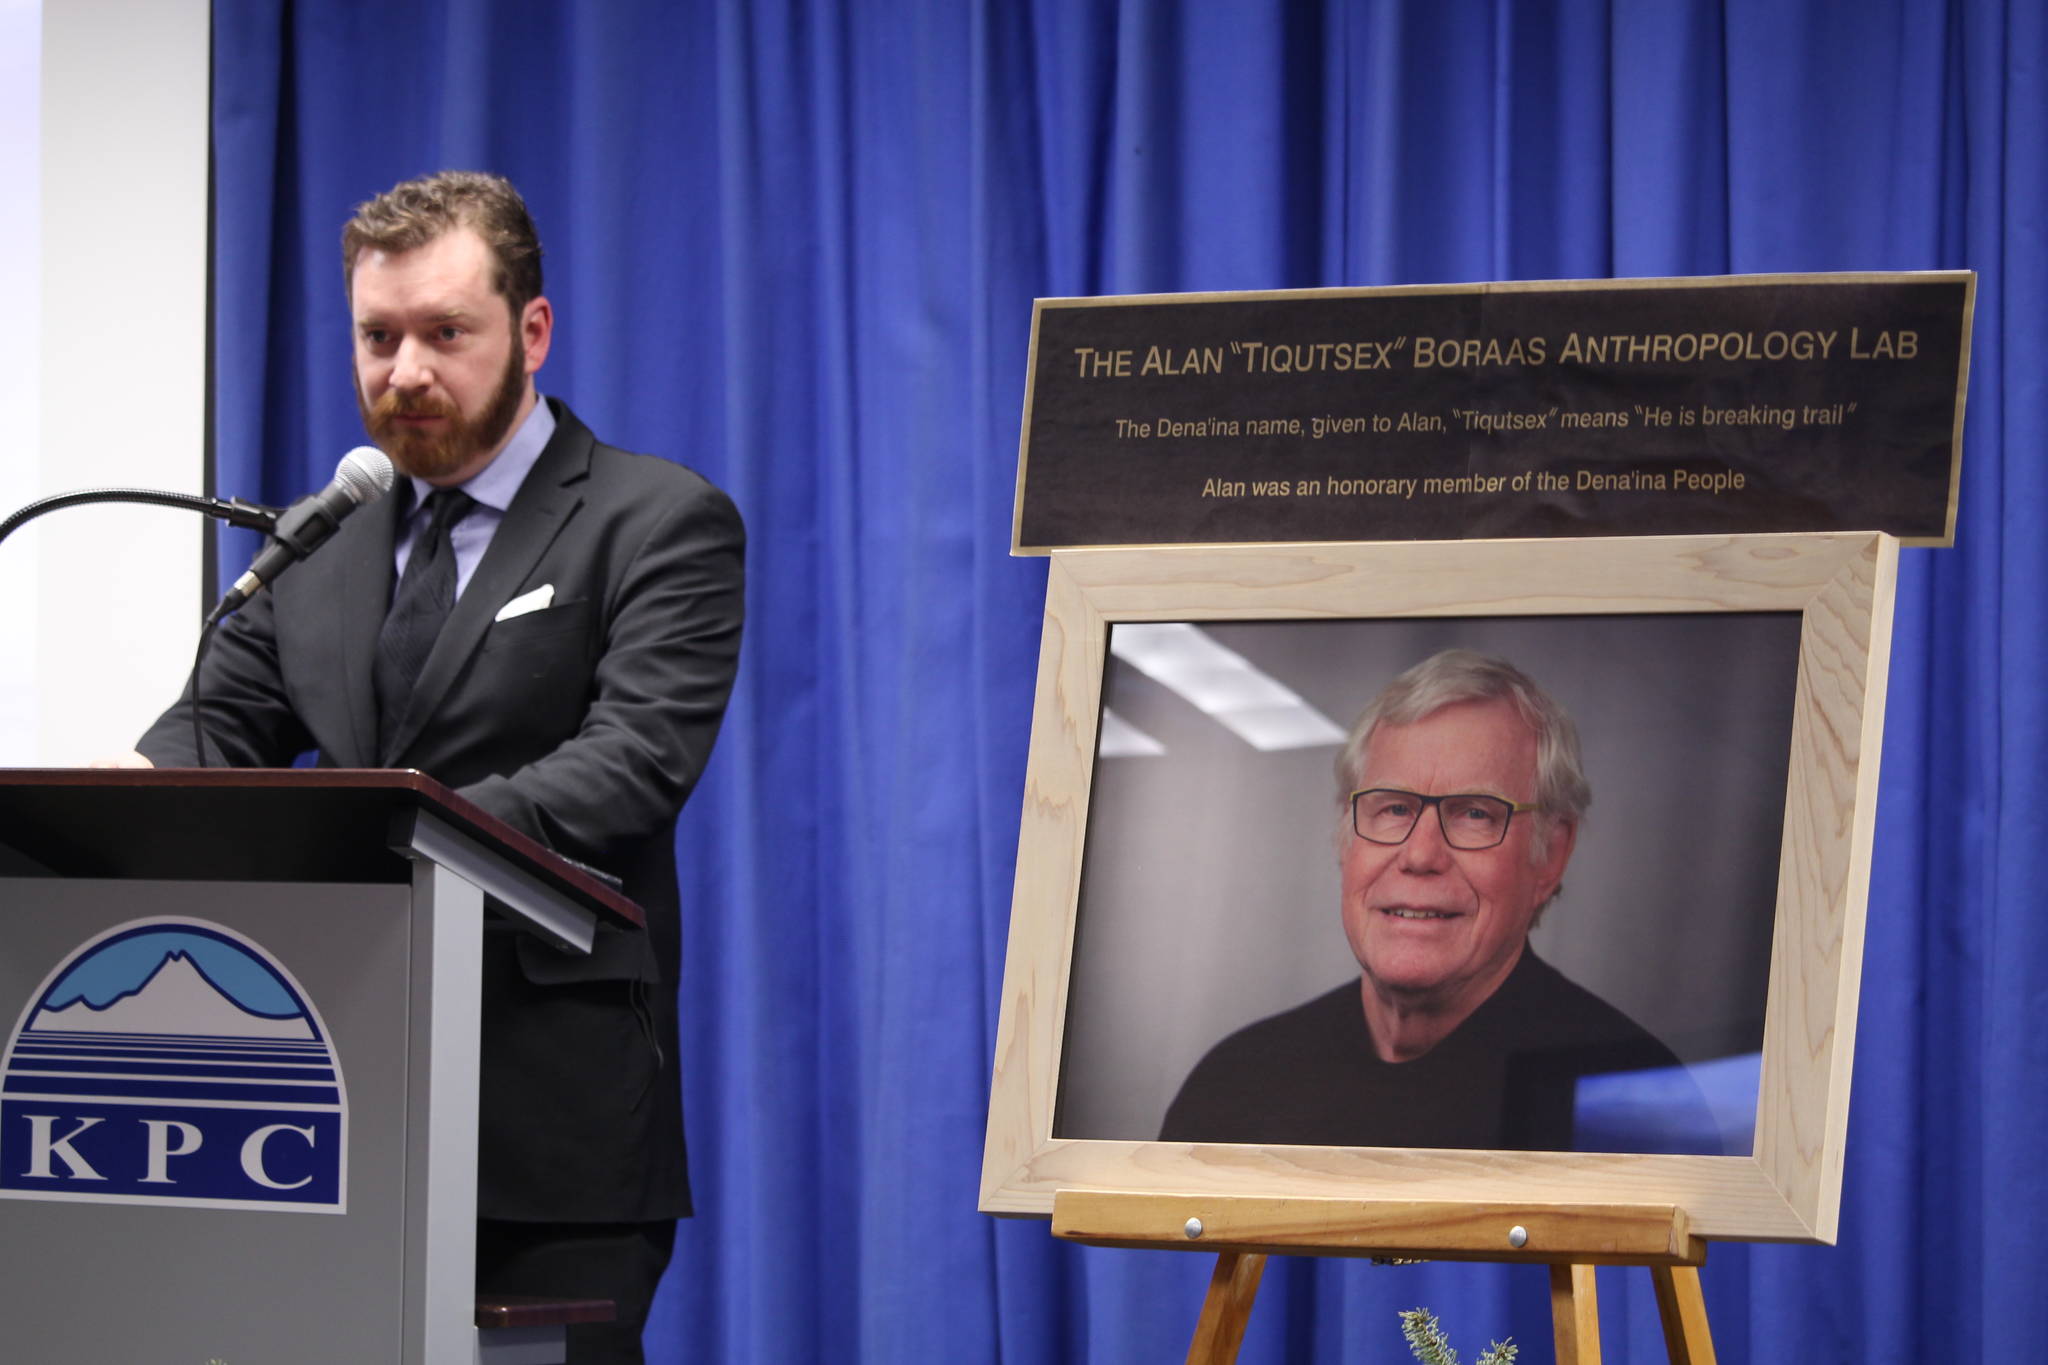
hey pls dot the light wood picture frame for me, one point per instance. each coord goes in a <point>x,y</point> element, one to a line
<point>1787,1188</point>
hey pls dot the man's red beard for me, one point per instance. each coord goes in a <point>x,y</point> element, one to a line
<point>441,450</point>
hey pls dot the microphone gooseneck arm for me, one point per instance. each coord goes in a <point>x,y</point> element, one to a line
<point>236,512</point>
<point>364,475</point>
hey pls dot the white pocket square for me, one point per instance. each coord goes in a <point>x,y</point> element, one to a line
<point>526,602</point>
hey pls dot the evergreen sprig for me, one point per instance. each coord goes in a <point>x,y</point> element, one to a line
<point>1426,1338</point>
<point>1431,1347</point>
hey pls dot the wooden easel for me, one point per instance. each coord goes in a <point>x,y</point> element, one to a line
<point>1570,1238</point>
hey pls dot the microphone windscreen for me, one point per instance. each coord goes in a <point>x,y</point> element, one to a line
<point>365,474</point>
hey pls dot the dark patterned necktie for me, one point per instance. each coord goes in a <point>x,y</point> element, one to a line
<point>420,607</point>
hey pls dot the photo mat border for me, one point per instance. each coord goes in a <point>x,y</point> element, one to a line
<point>1789,1189</point>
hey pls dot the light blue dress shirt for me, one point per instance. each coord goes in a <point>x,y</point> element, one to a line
<point>494,487</point>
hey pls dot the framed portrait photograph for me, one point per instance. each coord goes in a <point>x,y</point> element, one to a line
<point>1519,871</point>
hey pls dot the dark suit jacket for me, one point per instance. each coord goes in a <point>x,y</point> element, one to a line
<point>584,724</point>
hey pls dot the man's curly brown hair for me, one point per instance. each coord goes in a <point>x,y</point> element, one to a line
<point>413,213</point>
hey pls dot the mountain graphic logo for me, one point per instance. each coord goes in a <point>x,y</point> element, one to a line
<point>173,1061</point>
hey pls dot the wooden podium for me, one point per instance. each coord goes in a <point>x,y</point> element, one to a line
<point>305,1189</point>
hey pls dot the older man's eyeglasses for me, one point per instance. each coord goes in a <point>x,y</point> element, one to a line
<point>1382,815</point>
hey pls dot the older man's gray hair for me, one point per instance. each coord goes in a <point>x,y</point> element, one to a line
<point>1463,675</point>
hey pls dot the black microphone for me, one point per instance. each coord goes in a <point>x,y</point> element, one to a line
<point>364,475</point>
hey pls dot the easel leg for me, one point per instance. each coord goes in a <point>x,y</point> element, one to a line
<point>1227,1308</point>
<point>1575,1314</point>
<point>1684,1310</point>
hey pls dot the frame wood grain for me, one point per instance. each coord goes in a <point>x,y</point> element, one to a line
<point>1842,584</point>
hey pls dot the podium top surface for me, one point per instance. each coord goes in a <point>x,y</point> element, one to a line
<point>255,824</point>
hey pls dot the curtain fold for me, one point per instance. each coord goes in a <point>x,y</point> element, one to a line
<point>794,244</point>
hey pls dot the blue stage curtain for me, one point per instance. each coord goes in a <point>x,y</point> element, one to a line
<point>794,243</point>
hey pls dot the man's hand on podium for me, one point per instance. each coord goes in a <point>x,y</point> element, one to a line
<point>131,759</point>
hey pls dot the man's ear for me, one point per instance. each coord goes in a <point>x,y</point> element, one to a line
<point>1564,835</point>
<point>536,331</point>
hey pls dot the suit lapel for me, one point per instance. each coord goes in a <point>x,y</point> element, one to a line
<point>365,596</point>
<point>551,493</point>
<point>328,613</point>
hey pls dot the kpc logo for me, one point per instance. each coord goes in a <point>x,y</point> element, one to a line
<point>173,1062</point>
